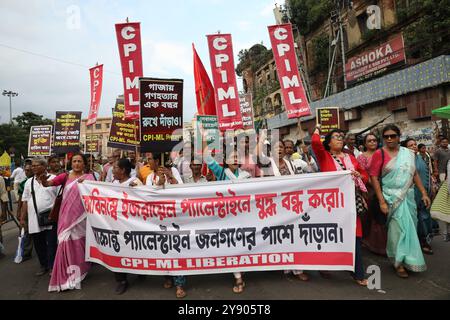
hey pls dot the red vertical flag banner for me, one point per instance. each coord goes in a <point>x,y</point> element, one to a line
<point>224,78</point>
<point>283,48</point>
<point>204,90</point>
<point>130,51</point>
<point>96,93</point>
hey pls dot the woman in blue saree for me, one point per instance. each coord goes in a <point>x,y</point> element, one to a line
<point>396,198</point>
<point>425,223</point>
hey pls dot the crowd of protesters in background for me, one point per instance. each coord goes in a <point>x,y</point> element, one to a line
<point>396,184</point>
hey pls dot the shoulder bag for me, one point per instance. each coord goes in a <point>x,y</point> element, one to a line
<point>43,216</point>
<point>54,214</point>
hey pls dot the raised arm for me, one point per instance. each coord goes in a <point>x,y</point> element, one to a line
<point>317,146</point>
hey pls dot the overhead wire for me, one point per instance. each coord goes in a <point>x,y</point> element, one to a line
<point>53,58</point>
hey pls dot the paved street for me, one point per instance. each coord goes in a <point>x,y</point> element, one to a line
<point>18,282</point>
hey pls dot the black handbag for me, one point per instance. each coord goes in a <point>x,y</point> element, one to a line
<point>43,217</point>
<point>374,204</point>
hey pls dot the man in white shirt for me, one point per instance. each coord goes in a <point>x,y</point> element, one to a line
<point>161,175</point>
<point>110,176</point>
<point>183,162</point>
<point>18,176</point>
<point>44,238</point>
<point>350,141</point>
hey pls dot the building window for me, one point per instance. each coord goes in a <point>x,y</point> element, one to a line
<point>268,106</point>
<point>278,103</point>
<point>108,125</point>
<point>98,126</point>
<point>362,23</point>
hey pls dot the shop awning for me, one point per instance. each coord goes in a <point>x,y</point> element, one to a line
<point>443,112</point>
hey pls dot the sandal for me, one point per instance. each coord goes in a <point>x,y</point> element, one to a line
<point>168,284</point>
<point>401,272</point>
<point>302,276</point>
<point>239,286</point>
<point>427,250</point>
<point>180,293</point>
<point>363,282</point>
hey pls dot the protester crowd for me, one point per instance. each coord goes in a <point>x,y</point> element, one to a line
<point>400,188</point>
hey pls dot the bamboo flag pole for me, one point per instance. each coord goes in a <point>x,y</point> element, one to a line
<point>92,135</point>
<point>135,135</point>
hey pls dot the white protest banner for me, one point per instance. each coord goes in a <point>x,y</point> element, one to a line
<point>308,223</point>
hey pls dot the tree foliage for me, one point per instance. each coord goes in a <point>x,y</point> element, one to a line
<point>253,58</point>
<point>29,119</point>
<point>308,15</point>
<point>320,46</point>
<point>429,35</point>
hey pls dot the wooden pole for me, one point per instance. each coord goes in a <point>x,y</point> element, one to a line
<point>135,135</point>
<point>92,135</point>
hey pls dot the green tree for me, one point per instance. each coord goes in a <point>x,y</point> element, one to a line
<point>308,15</point>
<point>29,119</point>
<point>320,45</point>
<point>13,136</point>
<point>254,58</point>
<point>428,34</point>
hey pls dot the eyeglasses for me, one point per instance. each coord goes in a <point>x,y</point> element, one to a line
<point>339,138</point>
<point>390,136</point>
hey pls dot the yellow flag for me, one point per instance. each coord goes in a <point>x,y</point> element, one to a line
<point>5,164</point>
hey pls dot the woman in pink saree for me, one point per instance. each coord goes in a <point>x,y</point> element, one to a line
<point>70,267</point>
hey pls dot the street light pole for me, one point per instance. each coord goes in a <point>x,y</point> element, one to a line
<point>10,94</point>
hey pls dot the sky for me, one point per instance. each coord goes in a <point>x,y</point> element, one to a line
<point>78,34</point>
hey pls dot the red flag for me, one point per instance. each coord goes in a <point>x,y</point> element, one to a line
<point>204,90</point>
<point>96,93</point>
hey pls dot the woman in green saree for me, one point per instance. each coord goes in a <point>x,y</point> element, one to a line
<point>395,167</point>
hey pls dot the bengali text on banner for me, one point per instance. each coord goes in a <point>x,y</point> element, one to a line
<point>307,223</point>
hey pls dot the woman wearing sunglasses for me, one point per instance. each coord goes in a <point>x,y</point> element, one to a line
<point>395,193</point>
<point>331,157</point>
<point>373,223</point>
